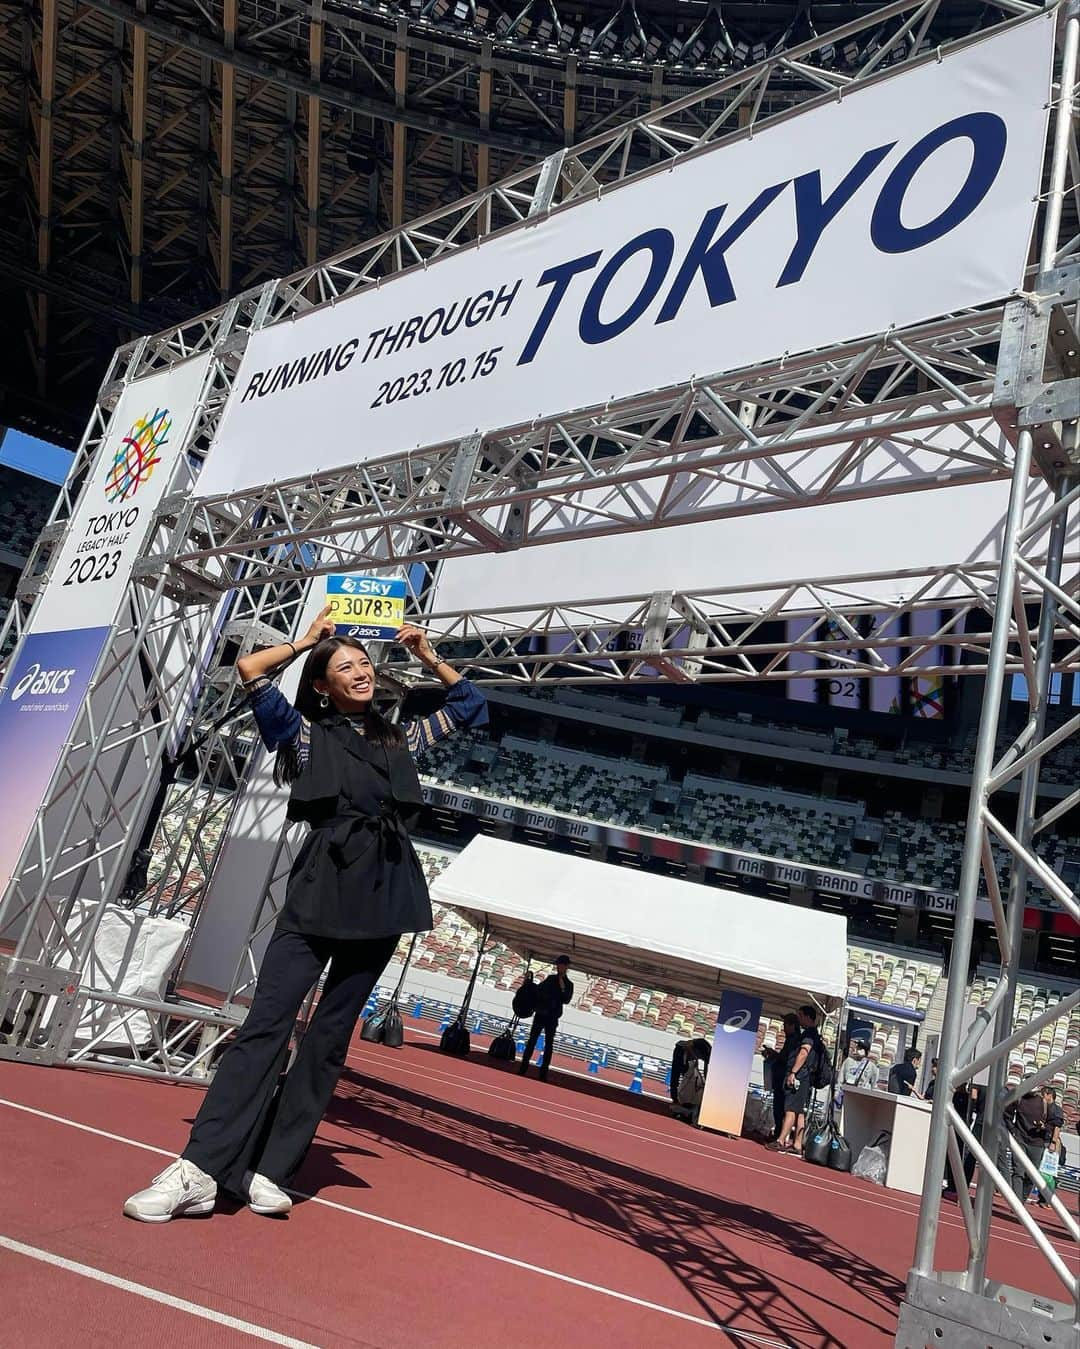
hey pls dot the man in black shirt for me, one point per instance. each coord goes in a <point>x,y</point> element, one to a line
<point>552,995</point>
<point>903,1076</point>
<point>1025,1119</point>
<point>798,1082</point>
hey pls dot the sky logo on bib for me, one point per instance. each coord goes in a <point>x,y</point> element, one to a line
<point>137,455</point>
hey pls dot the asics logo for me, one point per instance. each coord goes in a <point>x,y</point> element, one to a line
<point>37,680</point>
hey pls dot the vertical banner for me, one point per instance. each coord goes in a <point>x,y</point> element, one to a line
<point>928,691</point>
<point>885,691</point>
<point>734,1043</point>
<point>131,474</point>
<point>46,686</point>
<point>43,695</point>
<point>802,690</point>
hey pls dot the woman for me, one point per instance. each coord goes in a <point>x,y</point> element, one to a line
<point>857,1070</point>
<point>355,887</point>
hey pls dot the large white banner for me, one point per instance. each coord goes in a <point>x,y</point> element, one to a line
<point>131,474</point>
<point>905,200</point>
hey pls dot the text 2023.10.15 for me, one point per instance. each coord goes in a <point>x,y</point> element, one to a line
<point>427,381</point>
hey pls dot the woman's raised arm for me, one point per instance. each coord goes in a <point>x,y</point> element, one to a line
<point>258,663</point>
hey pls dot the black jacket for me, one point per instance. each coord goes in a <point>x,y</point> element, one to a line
<point>357,874</point>
<point>551,999</point>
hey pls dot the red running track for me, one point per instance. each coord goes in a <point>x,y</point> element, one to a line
<point>454,1205</point>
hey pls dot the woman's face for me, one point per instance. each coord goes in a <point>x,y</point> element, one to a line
<point>349,680</point>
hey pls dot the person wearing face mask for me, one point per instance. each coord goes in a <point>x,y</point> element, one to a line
<point>355,887</point>
<point>857,1070</point>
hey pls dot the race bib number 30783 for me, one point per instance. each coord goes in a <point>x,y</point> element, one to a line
<point>369,607</point>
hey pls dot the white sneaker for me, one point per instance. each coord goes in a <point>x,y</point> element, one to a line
<point>182,1190</point>
<point>264,1196</point>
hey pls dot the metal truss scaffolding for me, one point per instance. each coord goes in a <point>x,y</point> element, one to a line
<point>236,569</point>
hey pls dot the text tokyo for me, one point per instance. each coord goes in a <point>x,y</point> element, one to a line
<point>814,211</point>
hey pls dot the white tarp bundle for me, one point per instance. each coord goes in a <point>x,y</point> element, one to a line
<point>133,954</point>
<point>693,940</point>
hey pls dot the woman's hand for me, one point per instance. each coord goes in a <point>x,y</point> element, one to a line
<point>415,641</point>
<point>322,626</point>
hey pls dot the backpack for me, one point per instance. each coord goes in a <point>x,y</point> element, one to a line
<point>822,1074</point>
<point>503,1046</point>
<point>691,1085</point>
<point>526,998</point>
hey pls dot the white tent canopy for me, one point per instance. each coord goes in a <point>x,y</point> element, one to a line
<point>696,941</point>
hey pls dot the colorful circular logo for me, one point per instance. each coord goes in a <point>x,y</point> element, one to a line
<point>136,455</point>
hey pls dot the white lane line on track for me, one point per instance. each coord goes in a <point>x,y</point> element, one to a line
<point>151,1294</point>
<point>898,1203</point>
<point>614,1293</point>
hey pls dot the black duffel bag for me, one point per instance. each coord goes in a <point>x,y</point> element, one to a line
<point>503,1046</point>
<point>393,1028</point>
<point>817,1145</point>
<point>840,1156</point>
<point>455,1038</point>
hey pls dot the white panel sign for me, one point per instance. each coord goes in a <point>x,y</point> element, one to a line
<point>908,199</point>
<point>134,467</point>
<point>907,532</point>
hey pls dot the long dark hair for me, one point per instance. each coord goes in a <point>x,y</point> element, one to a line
<point>377,729</point>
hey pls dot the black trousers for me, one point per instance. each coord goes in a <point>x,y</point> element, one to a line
<point>778,1102</point>
<point>548,1024</point>
<point>250,1120</point>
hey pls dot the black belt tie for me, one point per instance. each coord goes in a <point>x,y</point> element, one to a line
<point>351,835</point>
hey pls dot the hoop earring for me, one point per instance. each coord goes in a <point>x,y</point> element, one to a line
<point>324,701</point>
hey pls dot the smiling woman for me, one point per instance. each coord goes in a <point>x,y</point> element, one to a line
<point>355,886</point>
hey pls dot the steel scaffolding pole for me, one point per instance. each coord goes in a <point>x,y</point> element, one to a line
<point>966,1308</point>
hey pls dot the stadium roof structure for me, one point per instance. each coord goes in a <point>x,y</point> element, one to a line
<point>161,158</point>
<point>695,941</point>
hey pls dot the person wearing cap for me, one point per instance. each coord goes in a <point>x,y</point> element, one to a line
<point>552,995</point>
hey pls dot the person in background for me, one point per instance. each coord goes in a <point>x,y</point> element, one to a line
<point>1055,1122</point>
<point>1025,1120</point>
<point>777,1063</point>
<point>687,1052</point>
<point>928,1094</point>
<point>691,1064</point>
<point>969,1102</point>
<point>903,1076</point>
<point>857,1070</point>
<point>797,1083</point>
<point>552,995</point>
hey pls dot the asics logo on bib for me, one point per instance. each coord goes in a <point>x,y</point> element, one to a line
<point>37,680</point>
<point>671,269</point>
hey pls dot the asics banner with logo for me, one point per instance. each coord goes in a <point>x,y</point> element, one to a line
<point>905,200</point>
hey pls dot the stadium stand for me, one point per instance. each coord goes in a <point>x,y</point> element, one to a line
<point>817,830</point>
<point>907,745</point>
<point>1034,996</point>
